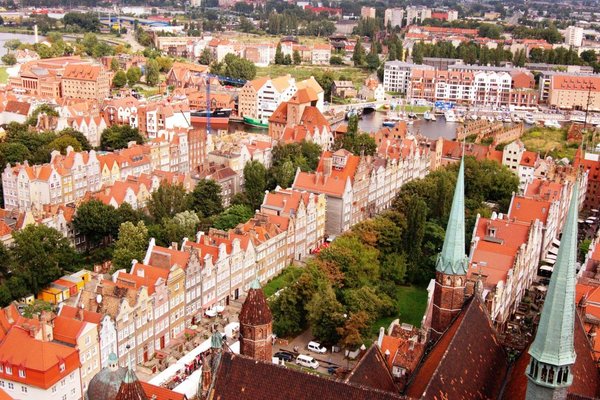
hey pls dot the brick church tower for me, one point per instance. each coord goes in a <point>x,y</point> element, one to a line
<point>452,264</point>
<point>256,325</point>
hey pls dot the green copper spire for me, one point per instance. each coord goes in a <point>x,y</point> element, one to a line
<point>553,342</point>
<point>255,284</point>
<point>452,260</point>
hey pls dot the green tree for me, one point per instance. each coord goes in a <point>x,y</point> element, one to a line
<point>417,53</point>
<point>61,144</point>
<point>206,198</point>
<point>336,60</point>
<point>120,79</point>
<point>12,44</point>
<point>354,330</point>
<point>118,137</point>
<point>133,75</point>
<point>491,31</point>
<point>9,59</point>
<point>372,61</point>
<point>297,58</point>
<point>233,216</point>
<point>206,57</point>
<point>325,315</point>
<point>152,73</point>
<point>287,60</point>
<point>41,255</point>
<point>255,183</point>
<point>278,54</point>
<point>359,55</point>
<point>13,153</point>
<point>114,65</point>
<point>131,245</point>
<point>97,221</point>
<point>166,201</point>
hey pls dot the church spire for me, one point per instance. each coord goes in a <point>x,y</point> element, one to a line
<point>553,349</point>
<point>451,266</point>
<point>452,260</point>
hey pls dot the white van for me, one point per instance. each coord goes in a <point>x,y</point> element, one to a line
<point>307,361</point>
<point>316,347</point>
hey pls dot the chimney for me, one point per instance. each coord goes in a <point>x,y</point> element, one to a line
<point>381,335</point>
<point>173,246</point>
<point>327,166</point>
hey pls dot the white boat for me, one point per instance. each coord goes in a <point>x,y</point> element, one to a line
<point>499,118</point>
<point>450,116</point>
<point>433,117</point>
<point>427,116</point>
<point>507,119</point>
<point>490,118</point>
<point>516,119</point>
<point>552,123</point>
<point>473,117</point>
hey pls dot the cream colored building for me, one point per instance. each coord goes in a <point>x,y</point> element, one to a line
<point>83,81</point>
<point>575,92</point>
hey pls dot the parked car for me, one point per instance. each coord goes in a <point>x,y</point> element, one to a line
<point>307,361</point>
<point>332,369</point>
<point>284,355</point>
<point>316,347</point>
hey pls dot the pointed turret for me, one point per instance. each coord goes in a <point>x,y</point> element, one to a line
<point>553,349</point>
<point>451,266</point>
<point>452,259</point>
<point>256,324</point>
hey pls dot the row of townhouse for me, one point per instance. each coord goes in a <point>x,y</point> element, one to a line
<point>465,84</point>
<point>144,309</point>
<point>481,87</point>
<point>69,178</point>
<point>506,250</point>
<point>359,187</point>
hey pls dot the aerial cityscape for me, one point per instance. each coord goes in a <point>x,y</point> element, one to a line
<point>299,199</point>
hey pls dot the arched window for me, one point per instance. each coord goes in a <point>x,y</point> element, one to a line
<point>544,374</point>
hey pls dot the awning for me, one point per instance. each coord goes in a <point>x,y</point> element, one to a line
<point>556,242</point>
<point>551,257</point>
<point>553,250</point>
<point>547,268</point>
<point>549,261</point>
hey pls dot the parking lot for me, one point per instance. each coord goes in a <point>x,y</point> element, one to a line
<point>325,360</point>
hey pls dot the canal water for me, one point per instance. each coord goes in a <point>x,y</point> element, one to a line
<point>369,123</point>
<point>5,36</point>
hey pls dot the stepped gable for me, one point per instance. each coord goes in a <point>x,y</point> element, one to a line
<point>242,378</point>
<point>467,362</point>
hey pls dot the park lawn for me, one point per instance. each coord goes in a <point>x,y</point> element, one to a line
<point>549,142</point>
<point>301,72</point>
<point>418,109</point>
<point>3,75</point>
<point>412,302</point>
<point>285,278</point>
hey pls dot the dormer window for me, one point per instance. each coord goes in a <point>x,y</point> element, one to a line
<point>9,370</point>
<point>61,366</point>
<point>21,373</point>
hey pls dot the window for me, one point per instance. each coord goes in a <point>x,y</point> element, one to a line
<point>24,389</point>
<point>21,373</point>
<point>9,370</point>
<point>11,385</point>
<point>61,367</point>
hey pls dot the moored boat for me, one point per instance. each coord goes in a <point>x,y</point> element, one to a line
<point>255,122</point>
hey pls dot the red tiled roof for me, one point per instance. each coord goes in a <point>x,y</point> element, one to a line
<point>528,210</point>
<point>67,329</point>
<point>586,380</point>
<point>159,393</point>
<point>467,362</point>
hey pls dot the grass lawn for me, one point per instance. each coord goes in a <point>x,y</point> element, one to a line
<point>549,141</point>
<point>3,75</point>
<point>418,109</point>
<point>285,278</point>
<point>412,301</point>
<point>301,72</point>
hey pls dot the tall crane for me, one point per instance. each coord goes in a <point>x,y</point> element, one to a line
<point>207,76</point>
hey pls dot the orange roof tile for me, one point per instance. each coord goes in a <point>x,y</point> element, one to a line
<point>528,210</point>
<point>67,329</point>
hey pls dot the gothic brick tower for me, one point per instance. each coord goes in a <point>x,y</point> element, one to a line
<point>256,325</point>
<point>452,264</point>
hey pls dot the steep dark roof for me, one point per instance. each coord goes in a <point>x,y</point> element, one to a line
<point>372,371</point>
<point>467,362</point>
<point>255,310</point>
<point>131,389</point>
<point>586,380</point>
<point>242,378</point>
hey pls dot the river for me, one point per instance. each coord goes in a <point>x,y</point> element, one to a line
<point>6,36</point>
<point>369,123</point>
